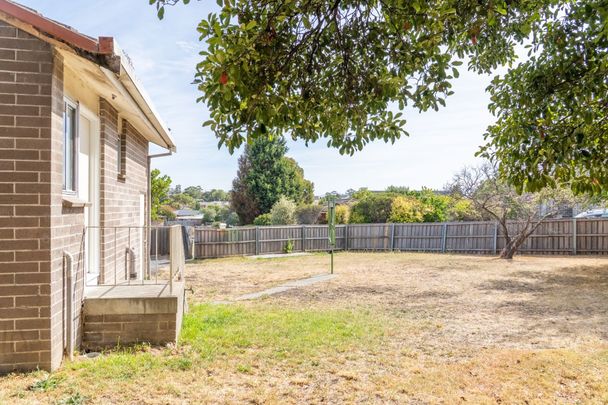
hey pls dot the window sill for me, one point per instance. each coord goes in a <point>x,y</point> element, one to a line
<point>72,201</point>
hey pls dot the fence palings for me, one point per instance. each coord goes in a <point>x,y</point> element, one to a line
<point>553,237</point>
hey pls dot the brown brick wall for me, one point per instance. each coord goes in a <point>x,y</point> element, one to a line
<point>67,227</point>
<point>35,227</point>
<point>120,196</point>
<point>26,80</point>
<point>105,331</point>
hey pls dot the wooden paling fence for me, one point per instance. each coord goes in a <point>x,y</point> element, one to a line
<point>553,237</point>
<point>160,238</point>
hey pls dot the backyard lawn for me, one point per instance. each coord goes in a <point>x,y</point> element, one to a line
<point>390,328</point>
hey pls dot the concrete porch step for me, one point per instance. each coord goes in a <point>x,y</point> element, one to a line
<point>129,314</point>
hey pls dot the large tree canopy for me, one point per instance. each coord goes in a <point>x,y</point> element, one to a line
<point>338,69</point>
<point>552,109</point>
<point>331,68</point>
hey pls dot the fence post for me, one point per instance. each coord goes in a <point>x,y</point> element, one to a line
<point>303,238</point>
<point>495,243</point>
<point>346,237</point>
<point>257,240</point>
<point>444,235</point>
<point>574,237</point>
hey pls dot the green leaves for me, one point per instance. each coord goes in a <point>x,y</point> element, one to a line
<point>159,191</point>
<point>332,71</point>
<point>551,110</point>
<point>265,174</point>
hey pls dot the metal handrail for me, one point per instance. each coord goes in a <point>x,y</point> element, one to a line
<point>117,240</point>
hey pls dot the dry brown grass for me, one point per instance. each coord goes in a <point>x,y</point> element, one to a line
<point>451,329</point>
<point>529,302</point>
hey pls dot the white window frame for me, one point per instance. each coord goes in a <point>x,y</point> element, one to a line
<point>75,147</point>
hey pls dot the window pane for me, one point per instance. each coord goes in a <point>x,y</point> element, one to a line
<point>69,148</point>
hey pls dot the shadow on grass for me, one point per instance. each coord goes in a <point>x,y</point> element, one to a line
<point>574,298</point>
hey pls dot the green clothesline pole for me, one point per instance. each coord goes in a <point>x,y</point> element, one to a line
<point>331,231</point>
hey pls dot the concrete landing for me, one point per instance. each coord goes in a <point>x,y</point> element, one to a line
<point>287,286</point>
<point>136,289</point>
<point>128,314</point>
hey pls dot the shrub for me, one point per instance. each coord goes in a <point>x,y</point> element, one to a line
<point>166,212</point>
<point>209,214</point>
<point>309,213</point>
<point>283,212</point>
<point>232,219</point>
<point>407,209</point>
<point>342,214</point>
<point>436,205</point>
<point>372,208</point>
<point>463,210</point>
<point>262,220</point>
<point>288,248</point>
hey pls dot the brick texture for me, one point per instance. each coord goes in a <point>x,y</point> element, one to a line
<point>105,331</point>
<point>26,79</point>
<point>120,195</point>
<point>36,229</point>
<point>67,228</point>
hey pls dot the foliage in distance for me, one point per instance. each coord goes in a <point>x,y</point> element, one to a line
<point>283,212</point>
<point>502,203</point>
<point>159,191</point>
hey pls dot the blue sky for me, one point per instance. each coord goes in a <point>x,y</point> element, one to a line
<point>165,53</point>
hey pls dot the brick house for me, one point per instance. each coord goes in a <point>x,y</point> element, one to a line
<point>75,127</point>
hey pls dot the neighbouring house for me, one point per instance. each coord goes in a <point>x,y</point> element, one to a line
<point>593,213</point>
<point>186,217</point>
<point>188,213</point>
<point>75,130</point>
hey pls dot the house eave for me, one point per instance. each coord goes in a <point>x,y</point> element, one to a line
<point>140,96</point>
<point>106,55</point>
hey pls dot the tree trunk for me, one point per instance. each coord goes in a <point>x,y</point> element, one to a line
<point>512,245</point>
<point>511,248</point>
<point>508,251</point>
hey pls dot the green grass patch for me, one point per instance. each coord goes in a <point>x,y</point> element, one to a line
<point>128,363</point>
<point>211,331</point>
<point>47,383</point>
<point>215,330</point>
